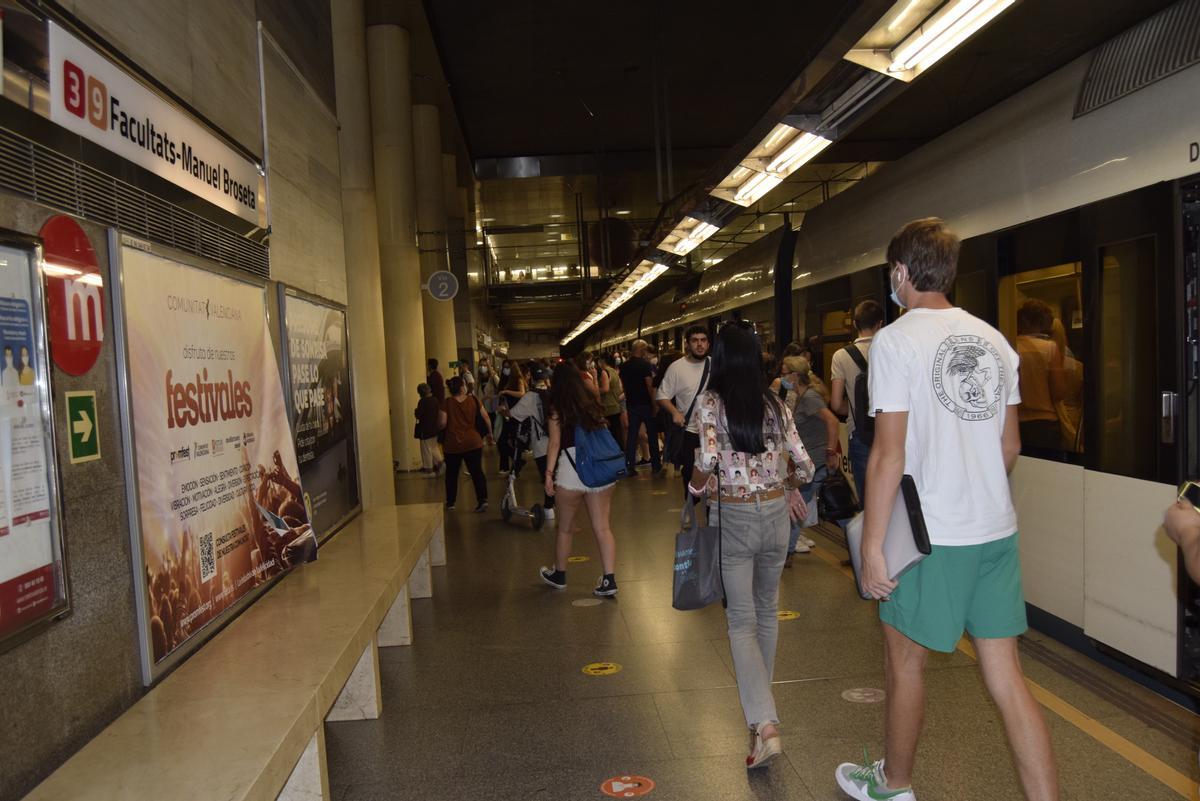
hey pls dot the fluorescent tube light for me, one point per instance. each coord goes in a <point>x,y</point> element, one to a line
<point>946,30</point>
<point>750,192</point>
<point>802,149</point>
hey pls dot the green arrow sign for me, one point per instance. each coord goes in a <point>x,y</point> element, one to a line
<point>81,427</point>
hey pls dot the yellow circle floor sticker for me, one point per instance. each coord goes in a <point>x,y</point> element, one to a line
<point>577,559</point>
<point>601,669</point>
<point>787,614</point>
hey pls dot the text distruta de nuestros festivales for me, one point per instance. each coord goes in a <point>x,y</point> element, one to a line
<point>204,401</point>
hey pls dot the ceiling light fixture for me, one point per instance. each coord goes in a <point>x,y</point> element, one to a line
<point>785,149</point>
<point>903,52</point>
<point>640,278</point>
<point>687,236</point>
<point>622,211</point>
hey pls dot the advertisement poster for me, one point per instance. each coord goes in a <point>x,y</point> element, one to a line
<point>220,506</point>
<point>31,575</point>
<point>322,419</point>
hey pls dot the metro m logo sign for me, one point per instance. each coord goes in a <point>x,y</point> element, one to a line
<point>84,305</point>
<point>74,295</point>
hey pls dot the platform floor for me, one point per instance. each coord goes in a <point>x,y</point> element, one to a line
<point>491,703</point>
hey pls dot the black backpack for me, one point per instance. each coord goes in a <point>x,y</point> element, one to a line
<point>864,423</point>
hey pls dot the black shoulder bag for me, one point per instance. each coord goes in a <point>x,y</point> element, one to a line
<point>674,436</point>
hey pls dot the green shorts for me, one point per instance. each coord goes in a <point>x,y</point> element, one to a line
<point>976,588</point>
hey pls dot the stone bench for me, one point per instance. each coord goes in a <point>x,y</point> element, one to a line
<point>242,718</point>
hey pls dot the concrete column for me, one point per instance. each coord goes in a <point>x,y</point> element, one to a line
<point>388,50</point>
<point>440,339</point>
<point>456,234</point>
<point>364,304</point>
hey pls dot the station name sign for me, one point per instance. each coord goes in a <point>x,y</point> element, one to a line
<point>92,97</point>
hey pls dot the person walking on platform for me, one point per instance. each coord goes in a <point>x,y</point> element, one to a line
<point>532,407</point>
<point>436,383</point>
<point>611,393</point>
<point>848,367</point>
<point>464,443</point>
<point>746,436</point>
<point>512,389</point>
<point>818,430</point>
<point>944,391</point>
<point>683,382</point>
<point>428,414</point>
<point>572,405</point>
<point>637,377</point>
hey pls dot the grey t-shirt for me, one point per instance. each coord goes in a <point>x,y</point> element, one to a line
<point>809,424</point>
<point>844,367</point>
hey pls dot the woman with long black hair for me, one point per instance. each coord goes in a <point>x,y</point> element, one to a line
<point>572,403</point>
<point>746,437</point>
<point>512,389</point>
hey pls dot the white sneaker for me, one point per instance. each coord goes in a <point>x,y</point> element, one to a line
<point>868,783</point>
<point>548,514</point>
<point>802,546</point>
<point>810,543</point>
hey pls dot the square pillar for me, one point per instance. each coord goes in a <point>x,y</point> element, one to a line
<point>396,628</point>
<point>310,778</point>
<point>420,583</point>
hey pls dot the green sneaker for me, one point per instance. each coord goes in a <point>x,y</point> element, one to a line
<point>867,783</point>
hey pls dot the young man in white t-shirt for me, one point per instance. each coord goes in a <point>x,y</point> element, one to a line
<point>944,388</point>
<point>685,379</point>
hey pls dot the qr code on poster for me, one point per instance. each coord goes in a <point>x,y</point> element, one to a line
<point>208,562</point>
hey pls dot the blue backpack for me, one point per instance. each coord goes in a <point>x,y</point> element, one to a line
<point>598,460</point>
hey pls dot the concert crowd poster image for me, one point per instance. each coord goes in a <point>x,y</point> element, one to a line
<point>220,506</point>
<point>314,334</point>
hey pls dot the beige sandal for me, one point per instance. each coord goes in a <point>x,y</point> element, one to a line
<point>764,750</point>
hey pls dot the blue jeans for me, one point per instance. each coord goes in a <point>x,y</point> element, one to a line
<point>809,493</point>
<point>860,452</point>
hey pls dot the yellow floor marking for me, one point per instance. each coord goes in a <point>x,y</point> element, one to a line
<point>1139,758</point>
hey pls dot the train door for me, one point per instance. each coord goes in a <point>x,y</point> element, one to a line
<point>1189,407</point>
<point>1130,429</point>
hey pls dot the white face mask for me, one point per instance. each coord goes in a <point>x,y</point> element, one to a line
<point>654,361</point>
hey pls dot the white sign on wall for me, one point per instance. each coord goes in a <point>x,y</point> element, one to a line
<point>98,100</point>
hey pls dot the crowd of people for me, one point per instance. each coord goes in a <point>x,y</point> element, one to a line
<point>936,395</point>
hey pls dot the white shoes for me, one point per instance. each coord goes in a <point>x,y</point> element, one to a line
<point>548,514</point>
<point>868,783</point>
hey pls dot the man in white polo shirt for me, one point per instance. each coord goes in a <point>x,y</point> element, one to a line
<point>845,370</point>
<point>944,391</point>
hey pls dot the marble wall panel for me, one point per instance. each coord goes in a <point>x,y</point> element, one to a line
<point>68,682</point>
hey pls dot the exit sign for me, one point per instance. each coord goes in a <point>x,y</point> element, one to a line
<point>82,429</point>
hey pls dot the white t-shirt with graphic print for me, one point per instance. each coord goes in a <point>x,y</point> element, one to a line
<point>957,377</point>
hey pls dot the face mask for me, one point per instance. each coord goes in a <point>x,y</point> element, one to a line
<point>895,297</point>
<point>654,361</point>
<point>483,370</point>
<point>786,383</point>
<point>591,365</point>
<point>507,372</point>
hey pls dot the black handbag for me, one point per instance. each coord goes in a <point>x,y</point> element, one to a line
<point>836,499</point>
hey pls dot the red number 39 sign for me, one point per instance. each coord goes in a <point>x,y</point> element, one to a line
<point>86,97</point>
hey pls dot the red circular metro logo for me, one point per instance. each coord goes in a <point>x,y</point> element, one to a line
<point>74,295</point>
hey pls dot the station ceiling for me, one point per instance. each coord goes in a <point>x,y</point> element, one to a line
<point>573,86</point>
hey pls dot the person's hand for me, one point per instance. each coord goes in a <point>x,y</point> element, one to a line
<point>797,508</point>
<point>491,440</point>
<point>833,460</point>
<point>549,484</point>
<point>679,419</point>
<point>875,581</point>
<point>1182,523</point>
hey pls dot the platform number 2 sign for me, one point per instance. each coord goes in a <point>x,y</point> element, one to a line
<point>86,97</point>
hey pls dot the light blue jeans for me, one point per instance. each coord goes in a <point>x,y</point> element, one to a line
<point>809,493</point>
<point>754,544</point>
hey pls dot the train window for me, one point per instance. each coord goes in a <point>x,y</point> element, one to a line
<point>1128,417</point>
<point>1041,315</point>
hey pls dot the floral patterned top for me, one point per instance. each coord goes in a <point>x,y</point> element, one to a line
<point>743,474</point>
